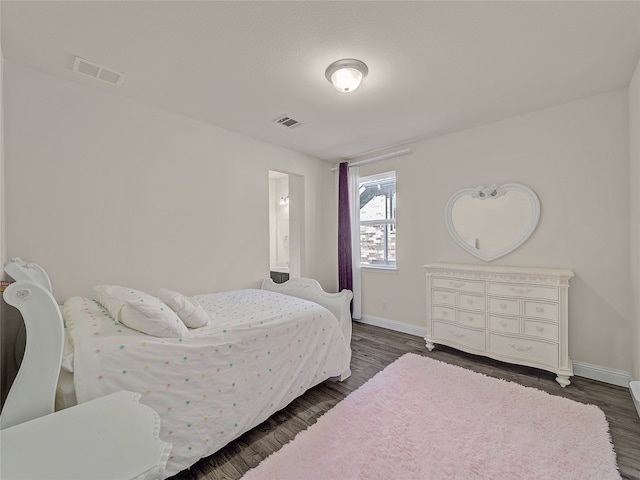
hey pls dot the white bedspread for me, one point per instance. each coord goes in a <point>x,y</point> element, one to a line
<point>260,351</point>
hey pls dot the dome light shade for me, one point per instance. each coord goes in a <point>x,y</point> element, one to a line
<point>346,74</point>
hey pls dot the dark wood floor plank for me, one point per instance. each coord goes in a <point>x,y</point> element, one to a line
<point>373,349</point>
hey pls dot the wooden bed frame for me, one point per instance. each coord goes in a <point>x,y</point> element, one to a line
<point>31,397</point>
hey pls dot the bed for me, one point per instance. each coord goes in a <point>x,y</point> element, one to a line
<point>259,350</point>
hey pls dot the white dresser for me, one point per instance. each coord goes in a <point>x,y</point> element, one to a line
<point>517,315</point>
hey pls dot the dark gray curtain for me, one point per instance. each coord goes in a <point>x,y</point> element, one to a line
<point>345,266</point>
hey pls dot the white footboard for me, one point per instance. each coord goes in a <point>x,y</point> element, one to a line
<point>337,303</point>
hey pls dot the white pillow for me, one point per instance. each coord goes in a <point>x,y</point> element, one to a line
<point>140,311</point>
<point>154,319</point>
<point>113,298</point>
<point>190,311</point>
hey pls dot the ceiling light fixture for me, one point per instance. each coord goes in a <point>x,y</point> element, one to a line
<point>346,74</point>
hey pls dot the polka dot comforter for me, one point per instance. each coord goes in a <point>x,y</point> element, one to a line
<point>259,351</point>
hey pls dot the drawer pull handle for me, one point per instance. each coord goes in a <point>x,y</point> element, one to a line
<point>503,324</point>
<point>520,348</point>
<point>445,297</point>
<point>521,290</point>
<point>445,313</point>
<point>539,328</point>
<point>470,318</point>
<point>503,305</point>
<point>457,284</point>
<point>459,335</point>
<point>540,309</point>
<point>470,301</point>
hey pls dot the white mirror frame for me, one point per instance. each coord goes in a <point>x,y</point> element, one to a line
<point>484,193</point>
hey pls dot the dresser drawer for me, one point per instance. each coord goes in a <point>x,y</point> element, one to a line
<point>466,337</point>
<point>534,351</point>
<point>505,306</point>
<point>522,290</point>
<point>471,319</point>
<point>541,329</point>
<point>444,297</point>
<point>473,302</point>
<point>548,311</point>
<point>504,324</point>
<point>460,285</point>
<point>443,313</point>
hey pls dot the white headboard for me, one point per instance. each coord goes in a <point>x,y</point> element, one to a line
<point>18,269</point>
<point>32,393</point>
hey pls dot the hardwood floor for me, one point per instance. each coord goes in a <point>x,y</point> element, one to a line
<point>373,349</point>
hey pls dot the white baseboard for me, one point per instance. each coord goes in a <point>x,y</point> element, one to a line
<point>635,394</point>
<point>393,325</point>
<point>602,374</point>
<point>581,369</point>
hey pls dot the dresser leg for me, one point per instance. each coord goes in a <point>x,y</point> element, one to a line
<point>563,380</point>
<point>430,346</point>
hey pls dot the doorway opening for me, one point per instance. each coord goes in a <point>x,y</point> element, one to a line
<point>286,225</point>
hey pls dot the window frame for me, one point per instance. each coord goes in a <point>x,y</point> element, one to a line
<point>382,267</point>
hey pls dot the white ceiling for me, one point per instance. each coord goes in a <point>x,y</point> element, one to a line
<point>434,67</point>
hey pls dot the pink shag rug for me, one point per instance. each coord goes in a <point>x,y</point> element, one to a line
<point>424,419</point>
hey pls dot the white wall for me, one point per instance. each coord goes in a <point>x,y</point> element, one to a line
<point>104,189</point>
<point>634,219</point>
<point>2,238</point>
<point>576,158</point>
<point>3,354</point>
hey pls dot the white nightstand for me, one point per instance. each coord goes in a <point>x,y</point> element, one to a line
<point>112,437</point>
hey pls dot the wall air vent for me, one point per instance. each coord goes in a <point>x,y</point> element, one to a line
<point>287,121</point>
<point>81,65</point>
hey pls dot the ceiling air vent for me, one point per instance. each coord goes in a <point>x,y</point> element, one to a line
<point>81,65</point>
<point>287,121</point>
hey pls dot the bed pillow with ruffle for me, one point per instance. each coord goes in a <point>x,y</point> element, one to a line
<point>140,311</point>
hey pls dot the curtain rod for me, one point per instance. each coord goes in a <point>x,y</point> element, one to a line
<point>376,159</point>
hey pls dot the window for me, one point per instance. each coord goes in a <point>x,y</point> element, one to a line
<point>378,220</point>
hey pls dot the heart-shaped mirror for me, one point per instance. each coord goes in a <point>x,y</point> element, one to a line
<point>489,222</point>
